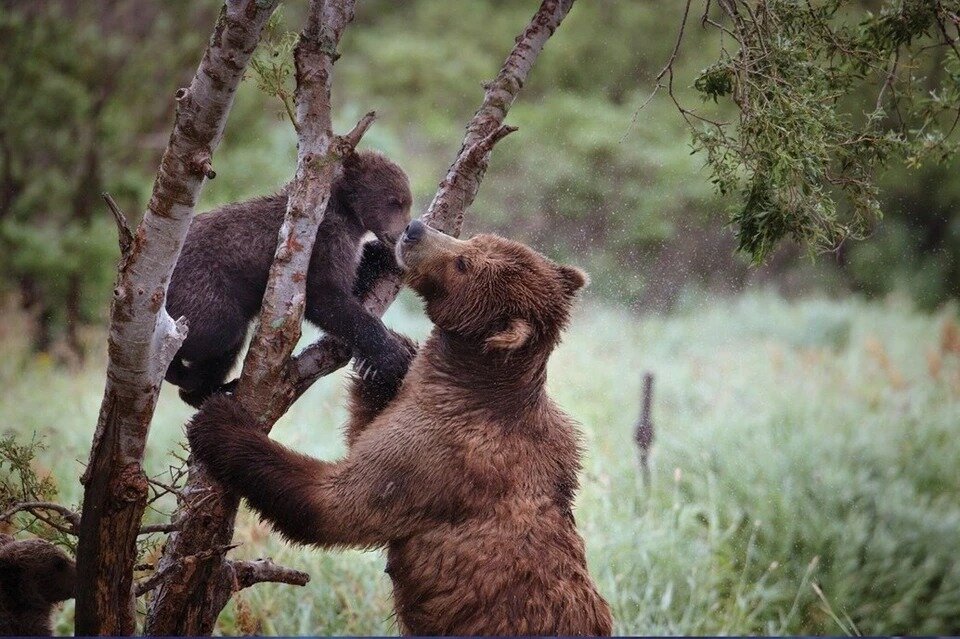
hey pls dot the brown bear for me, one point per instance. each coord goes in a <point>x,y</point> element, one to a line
<point>467,475</point>
<point>34,575</point>
<point>221,275</point>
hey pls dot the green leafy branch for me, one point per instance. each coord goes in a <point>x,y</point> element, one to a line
<point>27,499</point>
<point>826,96</point>
<point>272,64</point>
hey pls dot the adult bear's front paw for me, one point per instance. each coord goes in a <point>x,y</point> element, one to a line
<point>221,420</point>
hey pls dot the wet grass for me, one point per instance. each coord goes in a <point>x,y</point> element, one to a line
<point>805,474</point>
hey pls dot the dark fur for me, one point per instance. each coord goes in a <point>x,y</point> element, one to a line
<point>34,575</point>
<point>220,278</point>
<point>467,475</point>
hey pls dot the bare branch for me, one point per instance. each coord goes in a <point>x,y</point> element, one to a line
<point>249,573</point>
<point>30,506</point>
<point>123,227</point>
<point>888,82</point>
<point>447,208</point>
<point>266,386</point>
<point>668,67</point>
<point>347,143</point>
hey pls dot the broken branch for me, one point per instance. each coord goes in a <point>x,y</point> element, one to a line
<point>154,580</point>
<point>346,144</point>
<point>249,573</point>
<point>123,227</point>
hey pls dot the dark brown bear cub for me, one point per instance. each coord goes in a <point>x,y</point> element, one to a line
<point>467,475</point>
<point>220,278</point>
<point>34,575</point>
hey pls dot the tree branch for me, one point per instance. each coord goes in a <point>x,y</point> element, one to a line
<point>143,337</point>
<point>462,182</point>
<point>29,506</point>
<point>123,227</point>
<point>249,573</point>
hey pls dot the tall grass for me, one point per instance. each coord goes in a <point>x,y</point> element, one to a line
<point>806,470</point>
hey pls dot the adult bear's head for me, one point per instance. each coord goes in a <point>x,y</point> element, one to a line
<point>377,191</point>
<point>498,292</point>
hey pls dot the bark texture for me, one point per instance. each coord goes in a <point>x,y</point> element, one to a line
<point>188,602</point>
<point>143,337</point>
<point>459,187</point>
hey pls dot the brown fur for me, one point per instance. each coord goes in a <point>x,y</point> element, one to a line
<point>34,575</point>
<point>467,476</point>
<point>221,275</point>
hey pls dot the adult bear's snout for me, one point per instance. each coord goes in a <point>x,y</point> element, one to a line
<point>415,231</point>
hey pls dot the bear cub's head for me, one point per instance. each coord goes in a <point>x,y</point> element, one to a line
<point>378,192</point>
<point>498,292</point>
<point>35,573</point>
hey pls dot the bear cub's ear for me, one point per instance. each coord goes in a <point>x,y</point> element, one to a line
<point>512,337</point>
<point>573,278</point>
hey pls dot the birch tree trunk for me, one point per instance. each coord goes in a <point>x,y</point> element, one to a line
<point>143,337</point>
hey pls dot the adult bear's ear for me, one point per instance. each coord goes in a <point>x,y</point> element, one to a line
<point>515,335</point>
<point>573,278</point>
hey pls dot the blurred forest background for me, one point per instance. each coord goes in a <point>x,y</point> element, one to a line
<point>804,472</point>
<point>87,108</point>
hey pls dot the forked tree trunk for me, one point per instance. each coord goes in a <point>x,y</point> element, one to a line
<point>143,337</point>
<point>188,602</point>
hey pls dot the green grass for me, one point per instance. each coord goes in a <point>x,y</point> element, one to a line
<point>801,448</point>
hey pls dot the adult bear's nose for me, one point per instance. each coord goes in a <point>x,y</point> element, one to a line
<point>415,231</point>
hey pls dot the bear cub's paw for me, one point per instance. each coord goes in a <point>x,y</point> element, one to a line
<point>378,380</point>
<point>376,261</point>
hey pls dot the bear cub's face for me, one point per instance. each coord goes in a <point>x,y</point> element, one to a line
<point>378,191</point>
<point>497,291</point>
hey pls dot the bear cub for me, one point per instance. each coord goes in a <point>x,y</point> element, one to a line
<point>221,275</point>
<point>467,475</point>
<point>34,575</point>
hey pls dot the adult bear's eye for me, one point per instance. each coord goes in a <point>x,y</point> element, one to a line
<point>461,264</point>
